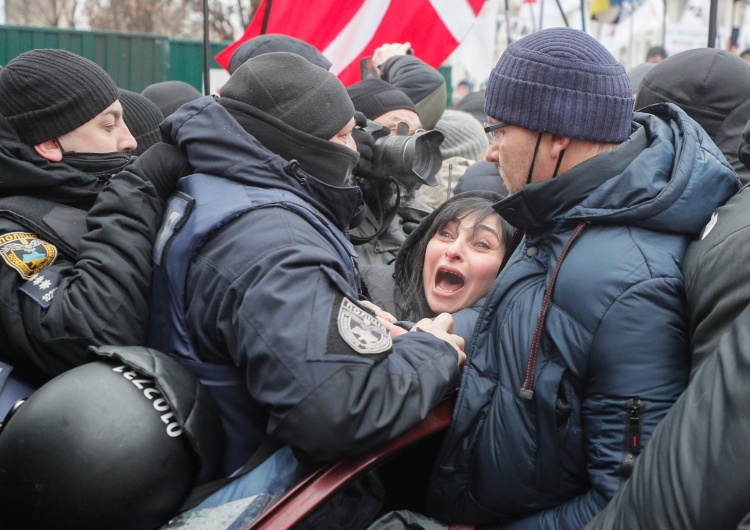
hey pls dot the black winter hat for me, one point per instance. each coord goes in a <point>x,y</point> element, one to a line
<point>708,84</point>
<point>142,117</point>
<point>375,97</point>
<point>272,42</point>
<point>294,91</point>
<point>170,95</point>
<point>47,93</point>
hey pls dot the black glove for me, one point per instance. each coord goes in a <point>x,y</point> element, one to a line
<point>365,145</point>
<point>163,164</point>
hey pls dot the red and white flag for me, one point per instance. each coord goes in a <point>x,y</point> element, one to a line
<point>345,31</point>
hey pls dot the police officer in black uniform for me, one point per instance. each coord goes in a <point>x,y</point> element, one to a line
<point>257,290</point>
<point>77,217</point>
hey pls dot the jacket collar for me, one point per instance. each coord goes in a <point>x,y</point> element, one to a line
<point>24,172</point>
<point>542,204</point>
<point>668,176</point>
<point>218,144</point>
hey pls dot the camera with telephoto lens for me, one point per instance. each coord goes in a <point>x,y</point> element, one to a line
<point>411,159</point>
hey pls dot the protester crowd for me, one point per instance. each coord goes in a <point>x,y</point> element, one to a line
<point>562,253</point>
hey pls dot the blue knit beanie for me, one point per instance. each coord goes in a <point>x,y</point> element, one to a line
<point>561,81</point>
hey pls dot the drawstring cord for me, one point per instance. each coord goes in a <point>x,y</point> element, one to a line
<point>527,389</point>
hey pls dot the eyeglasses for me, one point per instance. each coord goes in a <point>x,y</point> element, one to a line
<point>492,130</point>
<point>401,128</point>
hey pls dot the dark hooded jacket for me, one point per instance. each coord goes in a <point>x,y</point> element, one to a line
<point>92,253</point>
<point>713,87</point>
<point>716,272</point>
<point>269,299</point>
<point>552,411</point>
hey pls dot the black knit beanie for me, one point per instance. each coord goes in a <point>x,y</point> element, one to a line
<point>375,97</point>
<point>170,95</point>
<point>293,90</point>
<point>561,81</point>
<point>708,84</point>
<point>271,42</point>
<point>142,117</point>
<point>47,93</point>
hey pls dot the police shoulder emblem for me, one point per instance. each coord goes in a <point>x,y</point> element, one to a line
<point>26,253</point>
<point>362,331</point>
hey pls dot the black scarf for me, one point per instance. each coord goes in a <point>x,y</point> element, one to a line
<point>327,161</point>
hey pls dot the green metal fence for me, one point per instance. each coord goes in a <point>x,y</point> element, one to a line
<point>134,60</point>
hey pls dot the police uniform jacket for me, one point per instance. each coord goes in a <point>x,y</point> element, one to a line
<point>87,281</point>
<point>550,417</point>
<point>269,297</point>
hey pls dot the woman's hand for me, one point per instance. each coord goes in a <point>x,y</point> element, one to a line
<point>442,327</point>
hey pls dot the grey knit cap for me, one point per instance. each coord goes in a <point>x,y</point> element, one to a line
<point>562,81</point>
<point>46,93</point>
<point>170,95</point>
<point>464,135</point>
<point>293,90</point>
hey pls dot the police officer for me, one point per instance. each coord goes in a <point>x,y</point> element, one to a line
<point>76,229</point>
<point>256,287</point>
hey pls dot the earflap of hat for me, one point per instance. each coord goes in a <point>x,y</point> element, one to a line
<point>187,397</point>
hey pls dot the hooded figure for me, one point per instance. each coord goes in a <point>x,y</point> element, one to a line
<point>713,87</point>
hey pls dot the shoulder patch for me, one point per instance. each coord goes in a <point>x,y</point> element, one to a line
<point>361,330</point>
<point>42,287</point>
<point>26,253</point>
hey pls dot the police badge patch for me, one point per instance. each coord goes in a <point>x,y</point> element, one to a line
<point>26,253</point>
<point>362,331</point>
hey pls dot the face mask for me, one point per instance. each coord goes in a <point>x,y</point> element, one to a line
<point>100,165</point>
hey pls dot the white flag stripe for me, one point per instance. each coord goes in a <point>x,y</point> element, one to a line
<point>357,34</point>
<point>457,15</point>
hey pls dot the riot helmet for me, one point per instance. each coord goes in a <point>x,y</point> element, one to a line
<point>106,445</point>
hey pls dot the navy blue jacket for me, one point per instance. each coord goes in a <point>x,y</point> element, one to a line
<point>268,297</point>
<point>614,351</point>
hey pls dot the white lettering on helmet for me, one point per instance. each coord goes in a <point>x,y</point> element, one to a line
<point>151,393</point>
<point>140,382</point>
<point>160,404</point>
<point>174,429</point>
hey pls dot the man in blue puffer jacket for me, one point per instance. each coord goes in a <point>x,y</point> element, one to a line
<point>582,346</point>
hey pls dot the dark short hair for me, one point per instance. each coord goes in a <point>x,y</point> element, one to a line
<point>655,51</point>
<point>409,276</point>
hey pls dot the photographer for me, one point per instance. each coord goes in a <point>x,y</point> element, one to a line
<point>390,171</point>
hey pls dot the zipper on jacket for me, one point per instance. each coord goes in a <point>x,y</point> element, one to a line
<point>634,408</point>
